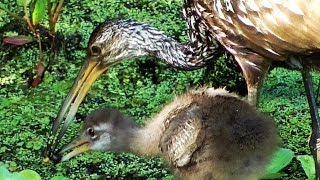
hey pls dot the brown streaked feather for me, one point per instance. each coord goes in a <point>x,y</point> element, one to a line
<point>259,32</point>
<point>274,29</point>
<point>183,135</point>
<point>200,35</point>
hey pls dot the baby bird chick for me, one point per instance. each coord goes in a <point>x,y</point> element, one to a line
<point>202,134</point>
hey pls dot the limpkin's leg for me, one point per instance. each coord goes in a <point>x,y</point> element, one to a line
<point>254,94</point>
<point>314,142</point>
<point>254,74</point>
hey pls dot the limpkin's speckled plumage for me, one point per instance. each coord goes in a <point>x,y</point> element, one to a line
<point>258,32</point>
<point>203,134</point>
<point>255,32</point>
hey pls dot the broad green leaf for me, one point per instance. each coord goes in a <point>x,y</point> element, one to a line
<point>39,11</point>
<point>308,166</point>
<point>4,173</point>
<point>279,160</point>
<point>30,175</point>
<point>16,176</point>
<point>23,2</point>
<point>59,178</point>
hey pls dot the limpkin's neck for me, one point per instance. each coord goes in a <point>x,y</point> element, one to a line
<point>198,52</point>
<point>138,39</point>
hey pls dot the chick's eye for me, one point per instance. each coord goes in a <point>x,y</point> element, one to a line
<point>91,132</point>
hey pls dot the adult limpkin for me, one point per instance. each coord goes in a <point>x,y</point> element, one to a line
<point>201,134</point>
<point>255,32</point>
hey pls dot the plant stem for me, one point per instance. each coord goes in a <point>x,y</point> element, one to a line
<point>49,14</point>
<point>57,12</point>
<point>26,17</point>
<point>40,47</point>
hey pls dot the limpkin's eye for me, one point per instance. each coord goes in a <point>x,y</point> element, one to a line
<point>95,50</point>
<point>90,131</point>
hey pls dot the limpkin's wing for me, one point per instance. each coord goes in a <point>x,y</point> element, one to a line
<point>183,135</point>
<point>202,44</point>
<point>273,28</point>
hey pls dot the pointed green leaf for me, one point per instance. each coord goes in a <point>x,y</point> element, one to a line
<point>279,160</point>
<point>30,175</point>
<point>308,166</point>
<point>39,11</point>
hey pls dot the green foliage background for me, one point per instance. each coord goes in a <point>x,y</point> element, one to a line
<point>138,87</point>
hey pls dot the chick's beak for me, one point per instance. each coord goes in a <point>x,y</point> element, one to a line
<point>79,145</point>
<point>89,72</point>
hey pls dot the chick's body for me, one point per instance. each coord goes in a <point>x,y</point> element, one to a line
<point>203,134</point>
<point>217,136</point>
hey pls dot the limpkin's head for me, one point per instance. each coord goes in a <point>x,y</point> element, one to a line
<point>113,41</point>
<point>103,130</point>
<point>109,43</point>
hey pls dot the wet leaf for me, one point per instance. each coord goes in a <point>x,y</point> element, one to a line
<point>18,40</point>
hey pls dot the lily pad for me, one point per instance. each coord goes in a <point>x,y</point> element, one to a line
<point>30,175</point>
<point>4,173</point>
<point>16,176</point>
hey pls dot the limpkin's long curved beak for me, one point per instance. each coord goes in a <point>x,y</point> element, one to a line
<point>79,145</point>
<point>89,72</point>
